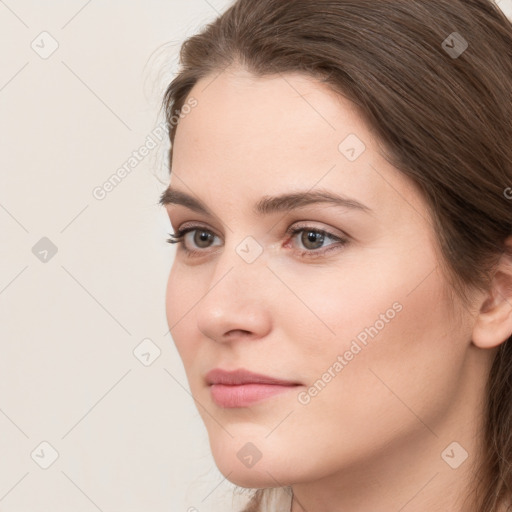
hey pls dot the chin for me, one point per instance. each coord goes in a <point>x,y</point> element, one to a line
<point>251,479</point>
<point>252,465</point>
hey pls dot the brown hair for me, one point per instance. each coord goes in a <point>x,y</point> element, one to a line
<point>443,119</point>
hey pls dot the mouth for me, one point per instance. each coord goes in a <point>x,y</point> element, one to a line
<point>241,388</point>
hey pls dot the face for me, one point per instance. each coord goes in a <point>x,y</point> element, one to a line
<point>342,303</point>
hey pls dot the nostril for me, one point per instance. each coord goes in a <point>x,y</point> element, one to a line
<point>237,332</point>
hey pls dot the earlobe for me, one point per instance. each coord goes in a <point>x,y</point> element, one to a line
<point>493,325</point>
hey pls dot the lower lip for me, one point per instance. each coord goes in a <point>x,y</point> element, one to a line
<point>244,395</point>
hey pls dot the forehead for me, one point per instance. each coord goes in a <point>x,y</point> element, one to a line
<point>279,114</point>
<point>250,136</point>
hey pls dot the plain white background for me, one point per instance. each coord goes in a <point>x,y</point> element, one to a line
<point>83,273</point>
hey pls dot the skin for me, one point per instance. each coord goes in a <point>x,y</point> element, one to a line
<point>372,439</point>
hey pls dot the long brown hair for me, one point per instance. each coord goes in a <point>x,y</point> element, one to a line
<point>433,79</point>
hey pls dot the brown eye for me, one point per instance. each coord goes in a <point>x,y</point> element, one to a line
<point>312,239</point>
<point>201,238</point>
<point>194,240</point>
<point>311,242</point>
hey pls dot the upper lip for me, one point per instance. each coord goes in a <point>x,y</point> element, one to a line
<point>242,376</point>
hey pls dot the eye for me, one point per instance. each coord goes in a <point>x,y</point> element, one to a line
<point>312,240</point>
<point>200,237</point>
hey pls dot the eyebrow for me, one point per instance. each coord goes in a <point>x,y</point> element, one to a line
<point>268,204</point>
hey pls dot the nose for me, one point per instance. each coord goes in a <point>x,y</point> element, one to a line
<point>237,303</point>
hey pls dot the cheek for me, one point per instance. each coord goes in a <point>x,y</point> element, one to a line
<point>394,353</point>
<point>382,294</point>
<point>396,386</point>
<point>325,309</point>
<point>370,337</point>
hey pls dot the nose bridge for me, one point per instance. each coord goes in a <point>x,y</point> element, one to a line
<point>235,299</point>
<point>242,260</point>
<point>240,271</point>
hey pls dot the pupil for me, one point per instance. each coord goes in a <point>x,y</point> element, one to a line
<point>312,237</point>
<point>203,237</point>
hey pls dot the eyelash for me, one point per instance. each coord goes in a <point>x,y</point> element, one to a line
<point>177,238</point>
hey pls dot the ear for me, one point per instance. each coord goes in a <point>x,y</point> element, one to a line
<point>493,325</point>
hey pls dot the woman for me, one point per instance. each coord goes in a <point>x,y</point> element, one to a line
<point>341,297</point>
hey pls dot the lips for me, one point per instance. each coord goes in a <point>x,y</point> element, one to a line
<point>238,377</point>
<point>241,388</point>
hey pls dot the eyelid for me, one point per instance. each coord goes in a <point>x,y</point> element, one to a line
<point>298,225</point>
<point>196,225</point>
<point>339,241</point>
<point>304,224</point>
